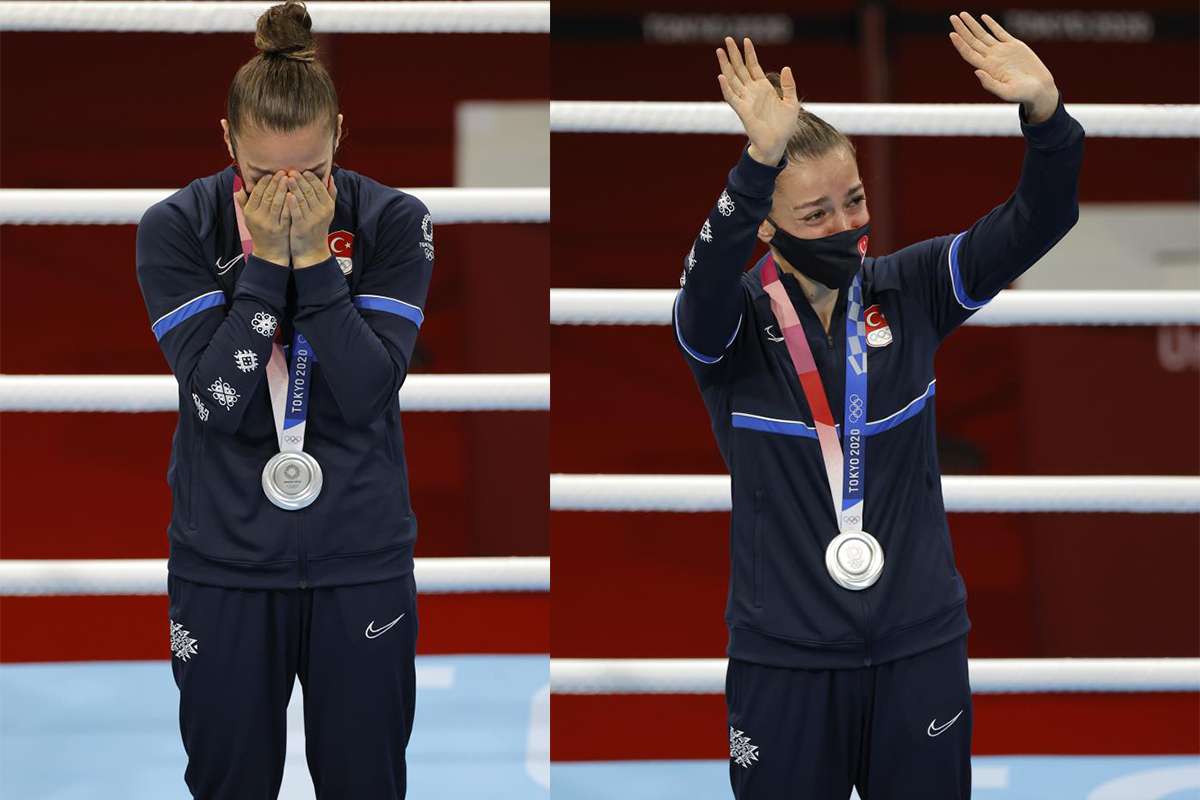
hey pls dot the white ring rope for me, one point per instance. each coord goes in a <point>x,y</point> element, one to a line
<point>987,675</point>
<point>146,393</point>
<point>1137,494</point>
<point>874,119</point>
<point>132,576</point>
<point>1010,307</point>
<point>240,17</point>
<point>126,206</point>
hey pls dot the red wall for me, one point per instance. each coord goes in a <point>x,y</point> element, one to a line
<point>142,111</point>
<point>1036,401</point>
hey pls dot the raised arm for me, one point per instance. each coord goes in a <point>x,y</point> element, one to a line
<point>709,305</point>
<point>953,276</point>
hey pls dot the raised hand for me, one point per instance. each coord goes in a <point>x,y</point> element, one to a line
<point>769,119</point>
<point>1005,65</point>
<point>268,218</point>
<point>312,212</point>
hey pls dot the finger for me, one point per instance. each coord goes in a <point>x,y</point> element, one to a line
<point>269,193</point>
<point>788,84</point>
<point>1001,34</point>
<point>277,200</point>
<point>756,72</point>
<point>293,207</point>
<point>255,196</point>
<point>978,30</point>
<point>968,38</point>
<point>240,197</point>
<point>991,84</point>
<point>735,85</point>
<point>314,190</point>
<point>726,91</point>
<point>735,58</point>
<point>299,187</point>
<point>972,57</point>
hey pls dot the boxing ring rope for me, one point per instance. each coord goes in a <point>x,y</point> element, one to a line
<point>148,576</point>
<point>126,206</point>
<point>875,119</point>
<point>1134,494</point>
<point>1010,308</point>
<point>239,17</point>
<point>148,393</point>
<point>987,675</point>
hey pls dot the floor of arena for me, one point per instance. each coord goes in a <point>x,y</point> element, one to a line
<point>993,778</point>
<point>109,731</point>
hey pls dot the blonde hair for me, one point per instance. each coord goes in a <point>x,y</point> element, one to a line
<point>814,137</point>
<point>285,86</point>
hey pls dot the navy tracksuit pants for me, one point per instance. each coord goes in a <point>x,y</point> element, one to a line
<point>236,654</point>
<point>896,731</point>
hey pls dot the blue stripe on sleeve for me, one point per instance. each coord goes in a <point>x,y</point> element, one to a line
<point>960,293</point>
<point>703,359</point>
<point>377,302</point>
<point>192,307</point>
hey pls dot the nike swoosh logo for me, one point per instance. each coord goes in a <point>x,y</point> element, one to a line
<point>934,730</point>
<point>221,270</point>
<point>373,632</point>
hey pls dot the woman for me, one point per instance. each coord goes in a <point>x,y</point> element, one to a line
<point>282,288</point>
<point>848,668</point>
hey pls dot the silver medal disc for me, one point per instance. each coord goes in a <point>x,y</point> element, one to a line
<point>292,480</point>
<point>854,560</point>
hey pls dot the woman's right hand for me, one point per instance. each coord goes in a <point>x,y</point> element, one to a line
<point>769,119</point>
<point>268,218</point>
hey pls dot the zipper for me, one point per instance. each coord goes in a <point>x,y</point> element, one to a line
<point>866,604</point>
<point>758,548</point>
<point>300,551</point>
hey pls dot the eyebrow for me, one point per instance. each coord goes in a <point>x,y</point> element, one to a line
<point>822,200</point>
<point>253,168</point>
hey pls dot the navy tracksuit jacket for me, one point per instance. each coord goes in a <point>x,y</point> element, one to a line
<point>829,688</point>
<point>783,608</point>
<point>360,310</point>
<point>259,595</point>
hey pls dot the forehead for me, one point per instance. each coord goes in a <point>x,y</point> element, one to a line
<point>302,148</point>
<point>831,176</point>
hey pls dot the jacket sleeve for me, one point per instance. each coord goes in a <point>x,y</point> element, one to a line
<point>364,343</point>
<point>218,355</point>
<point>710,303</point>
<point>951,277</point>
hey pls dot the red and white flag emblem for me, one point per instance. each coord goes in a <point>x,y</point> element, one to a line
<point>878,332</point>
<point>341,244</point>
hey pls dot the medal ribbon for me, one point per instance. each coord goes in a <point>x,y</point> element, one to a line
<point>846,472</point>
<point>289,385</point>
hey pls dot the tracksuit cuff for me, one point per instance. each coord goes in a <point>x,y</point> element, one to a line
<point>752,179</point>
<point>1049,134</point>
<point>321,284</point>
<point>264,280</point>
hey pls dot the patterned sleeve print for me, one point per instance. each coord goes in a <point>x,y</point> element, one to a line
<point>709,304</point>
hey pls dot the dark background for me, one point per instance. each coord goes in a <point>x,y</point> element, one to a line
<point>97,110</point>
<point>1011,401</point>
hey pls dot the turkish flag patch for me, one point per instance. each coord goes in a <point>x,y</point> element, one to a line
<point>341,244</point>
<point>878,332</point>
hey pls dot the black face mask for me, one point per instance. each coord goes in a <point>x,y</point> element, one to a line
<point>830,260</point>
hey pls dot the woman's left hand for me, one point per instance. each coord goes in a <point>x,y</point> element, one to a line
<point>1005,65</point>
<point>312,207</point>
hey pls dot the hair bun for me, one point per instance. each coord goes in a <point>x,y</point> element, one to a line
<point>286,30</point>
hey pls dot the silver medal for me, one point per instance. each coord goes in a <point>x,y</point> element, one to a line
<point>292,480</point>
<point>854,560</point>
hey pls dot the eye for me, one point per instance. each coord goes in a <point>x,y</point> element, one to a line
<point>813,217</point>
<point>857,200</point>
